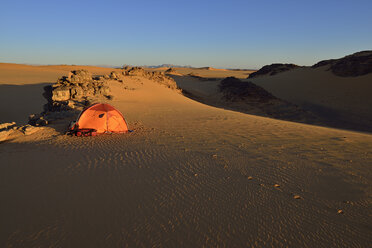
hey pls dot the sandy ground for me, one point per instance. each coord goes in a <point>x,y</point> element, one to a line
<point>190,175</point>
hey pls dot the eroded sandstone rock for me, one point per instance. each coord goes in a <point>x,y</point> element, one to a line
<point>6,129</point>
<point>157,76</point>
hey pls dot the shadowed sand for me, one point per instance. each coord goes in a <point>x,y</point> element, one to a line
<point>190,175</point>
<point>345,100</point>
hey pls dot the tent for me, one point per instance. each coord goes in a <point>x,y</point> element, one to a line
<point>101,118</point>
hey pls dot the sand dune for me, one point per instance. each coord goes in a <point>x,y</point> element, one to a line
<point>190,175</point>
<point>345,100</point>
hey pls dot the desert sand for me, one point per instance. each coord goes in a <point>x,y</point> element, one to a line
<point>189,175</point>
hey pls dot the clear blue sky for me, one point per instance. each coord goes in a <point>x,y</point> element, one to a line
<point>240,34</point>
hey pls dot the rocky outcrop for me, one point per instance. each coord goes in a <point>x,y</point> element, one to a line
<point>234,89</point>
<point>70,94</point>
<point>7,126</point>
<point>80,86</point>
<point>156,76</point>
<point>29,129</point>
<point>273,69</point>
<point>6,129</point>
<point>250,98</point>
<point>354,65</point>
<point>75,90</point>
<point>11,130</point>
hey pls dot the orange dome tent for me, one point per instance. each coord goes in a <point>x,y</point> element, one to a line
<point>101,118</point>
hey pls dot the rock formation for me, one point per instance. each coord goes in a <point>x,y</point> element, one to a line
<point>80,86</point>
<point>11,130</point>
<point>74,91</point>
<point>353,65</point>
<point>157,76</point>
<point>6,129</point>
<point>248,97</point>
<point>234,89</point>
<point>273,69</point>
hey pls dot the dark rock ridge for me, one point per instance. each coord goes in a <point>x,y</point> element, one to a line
<point>251,98</point>
<point>353,65</point>
<point>234,89</point>
<point>273,69</point>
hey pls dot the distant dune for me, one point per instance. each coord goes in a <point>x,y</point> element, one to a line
<point>212,69</point>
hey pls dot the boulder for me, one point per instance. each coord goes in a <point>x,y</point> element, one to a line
<point>37,120</point>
